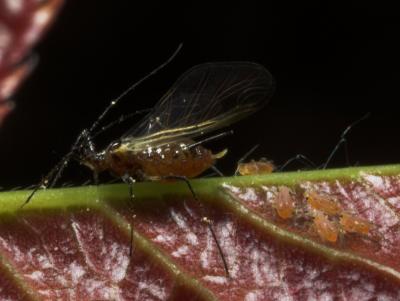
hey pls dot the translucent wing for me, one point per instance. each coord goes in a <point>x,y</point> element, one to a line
<point>205,98</point>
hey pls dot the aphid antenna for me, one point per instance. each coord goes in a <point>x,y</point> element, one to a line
<point>120,120</point>
<point>343,140</point>
<point>300,158</point>
<point>244,157</point>
<point>204,219</point>
<point>57,170</point>
<point>249,152</point>
<point>208,139</point>
<point>132,87</point>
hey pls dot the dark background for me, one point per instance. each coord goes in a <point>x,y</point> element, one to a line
<point>332,64</point>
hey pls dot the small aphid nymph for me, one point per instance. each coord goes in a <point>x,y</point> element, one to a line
<point>260,167</point>
<point>284,203</point>
<point>352,224</point>
<point>322,203</point>
<point>326,229</point>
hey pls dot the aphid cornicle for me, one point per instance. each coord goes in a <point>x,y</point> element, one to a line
<point>206,98</point>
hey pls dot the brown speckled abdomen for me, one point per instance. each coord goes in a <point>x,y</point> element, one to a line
<point>174,160</point>
<point>156,163</point>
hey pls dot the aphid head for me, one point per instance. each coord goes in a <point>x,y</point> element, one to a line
<point>94,161</point>
<point>87,155</point>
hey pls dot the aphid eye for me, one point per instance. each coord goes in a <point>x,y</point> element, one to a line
<point>113,146</point>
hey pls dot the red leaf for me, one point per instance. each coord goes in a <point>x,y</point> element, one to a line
<point>22,24</point>
<point>82,253</point>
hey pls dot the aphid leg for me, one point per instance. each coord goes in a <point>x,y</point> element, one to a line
<point>342,140</point>
<point>84,138</point>
<point>96,178</point>
<point>130,181</point>
<point>55,172</point>
<point>204,219</point>
<point>131,239</point>
<point>244,157</point>
<point>28,199</point>
<point>217,171</point>
<point>300,158</point>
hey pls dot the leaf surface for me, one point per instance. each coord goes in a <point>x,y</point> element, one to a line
<point>22,24</point>
<point>74,243</point>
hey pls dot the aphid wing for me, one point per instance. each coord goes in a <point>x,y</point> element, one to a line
<point>205,98</point>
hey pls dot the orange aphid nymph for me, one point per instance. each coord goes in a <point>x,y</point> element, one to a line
<point>253,167</point>
<point>322,203</point>
<point>326,229</point>
<point>353,224</point>
<point>284,203</point>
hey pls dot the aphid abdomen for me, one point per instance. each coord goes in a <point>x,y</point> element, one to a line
<point>177,160</point>
<point>156,163</point>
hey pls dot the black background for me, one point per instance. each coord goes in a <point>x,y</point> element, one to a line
<point>332,64</point>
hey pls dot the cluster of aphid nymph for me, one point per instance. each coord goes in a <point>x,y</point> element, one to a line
<point>322,212</point>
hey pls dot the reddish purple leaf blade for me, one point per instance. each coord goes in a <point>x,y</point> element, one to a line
<point>22,24</point>
<point>83,253</point>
